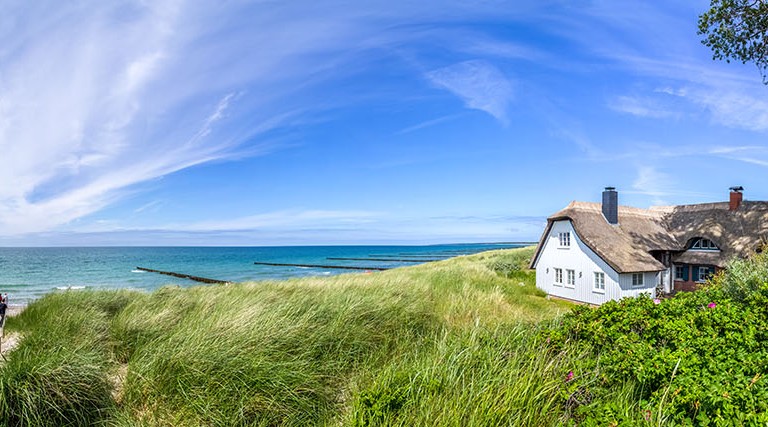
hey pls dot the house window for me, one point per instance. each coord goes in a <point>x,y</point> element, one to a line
<point>565,239</point>
<point>599,281</point>
<point>558,277</point>
<point>679,274</point>
<point>704,244</point>
<point>637,279</point>
<point>705,273</point>
<point>571,278</point>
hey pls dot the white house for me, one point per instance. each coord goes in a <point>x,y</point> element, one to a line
<point>597,252</point>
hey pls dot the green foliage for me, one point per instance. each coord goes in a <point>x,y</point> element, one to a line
<point>478,377</point>
<point>465,342</point>
<point>746,279</point>
<point>510,264</point>
<point>59,374</point>
<point>440,341</point>
<point>697,358</point>
<point>271,354</point>
<point>738,30</point>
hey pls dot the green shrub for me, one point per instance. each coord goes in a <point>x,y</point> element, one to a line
<point>696,358</point>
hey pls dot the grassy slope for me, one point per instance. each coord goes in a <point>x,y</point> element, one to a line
<point>445,343</point>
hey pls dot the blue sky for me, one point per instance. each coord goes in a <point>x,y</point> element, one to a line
<point>352,122</point>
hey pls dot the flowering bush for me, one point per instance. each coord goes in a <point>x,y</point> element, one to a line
<point>698,358</point>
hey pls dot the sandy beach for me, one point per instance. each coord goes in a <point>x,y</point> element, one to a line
<point>9,341</point>
<point>14,310</point>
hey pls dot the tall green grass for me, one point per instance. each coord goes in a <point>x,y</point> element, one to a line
<point>476,377</point>
<point>60,373</point>
<point>451,342</point>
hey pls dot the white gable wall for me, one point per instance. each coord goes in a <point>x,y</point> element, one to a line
<point>580,258</point>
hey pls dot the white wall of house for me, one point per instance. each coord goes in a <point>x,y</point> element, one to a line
<point>584,262</point>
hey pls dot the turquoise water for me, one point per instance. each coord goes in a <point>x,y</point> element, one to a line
<point>29,273</point>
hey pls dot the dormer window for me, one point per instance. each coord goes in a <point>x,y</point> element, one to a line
<point>704,245</point>
<point>565,239</point>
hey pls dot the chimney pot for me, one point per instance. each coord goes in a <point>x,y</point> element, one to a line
<point>736,198</point>
<point>611,205</point>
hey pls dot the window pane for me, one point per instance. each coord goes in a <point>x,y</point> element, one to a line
<point>637,279</point>
<point>599,280</point>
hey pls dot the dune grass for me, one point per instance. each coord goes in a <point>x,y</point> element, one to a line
<point>446,343</point>
<point>59,374</point>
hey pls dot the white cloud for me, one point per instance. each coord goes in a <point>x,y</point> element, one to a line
<point>731,95</point>
<point>642,107</point>
<point>288,219</point>
<point>427,123</point>
<point>479,84</point>
<point>736,107</point>
<point>651,182</point>
<point>753,161</point>
<point>296,226</point>
<point>96,97</point>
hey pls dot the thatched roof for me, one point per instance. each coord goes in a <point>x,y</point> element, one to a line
<point>737,233</point>
<point>627,246</point>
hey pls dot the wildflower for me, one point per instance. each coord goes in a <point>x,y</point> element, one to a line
<point>711,305</point>
<point>569,376</point>
<point>656,301</point>
<point>647,414</point>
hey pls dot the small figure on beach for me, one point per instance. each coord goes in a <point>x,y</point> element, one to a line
<point>3,307</point>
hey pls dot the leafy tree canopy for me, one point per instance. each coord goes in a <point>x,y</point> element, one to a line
<point>737,30</point>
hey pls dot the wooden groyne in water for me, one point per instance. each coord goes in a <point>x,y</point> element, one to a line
<point>381,259</point>
<point>403,256</point>
<point>330,267</point>
<point>182,276</point>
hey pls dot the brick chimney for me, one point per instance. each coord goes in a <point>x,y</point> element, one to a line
<point>736,197</point>
<point>611,205</point>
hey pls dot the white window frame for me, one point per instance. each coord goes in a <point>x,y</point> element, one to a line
<point>704,244</point>
<point>565,239</point>
<point>558,277</point>
<point>637,280</point>
<point>599,284</point>
<point>703,273</point>
<point>570,278</point>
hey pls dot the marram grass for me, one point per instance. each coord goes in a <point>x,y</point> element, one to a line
<point>446,343</point>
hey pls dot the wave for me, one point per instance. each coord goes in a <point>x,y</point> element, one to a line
<point>68,288</point>
<point>137,271</point>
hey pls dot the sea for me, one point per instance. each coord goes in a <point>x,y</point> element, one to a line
<point>29,273</point>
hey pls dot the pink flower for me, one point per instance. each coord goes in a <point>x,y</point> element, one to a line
<point>647,414</point>
<point>569,376</point>
<point>711,305</point>
<point>656,301</point>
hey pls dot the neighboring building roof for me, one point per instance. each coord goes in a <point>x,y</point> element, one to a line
<point>627,246</point>
<point>737,233</point>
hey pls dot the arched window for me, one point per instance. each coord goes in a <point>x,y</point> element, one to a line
<point>703,244</point>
